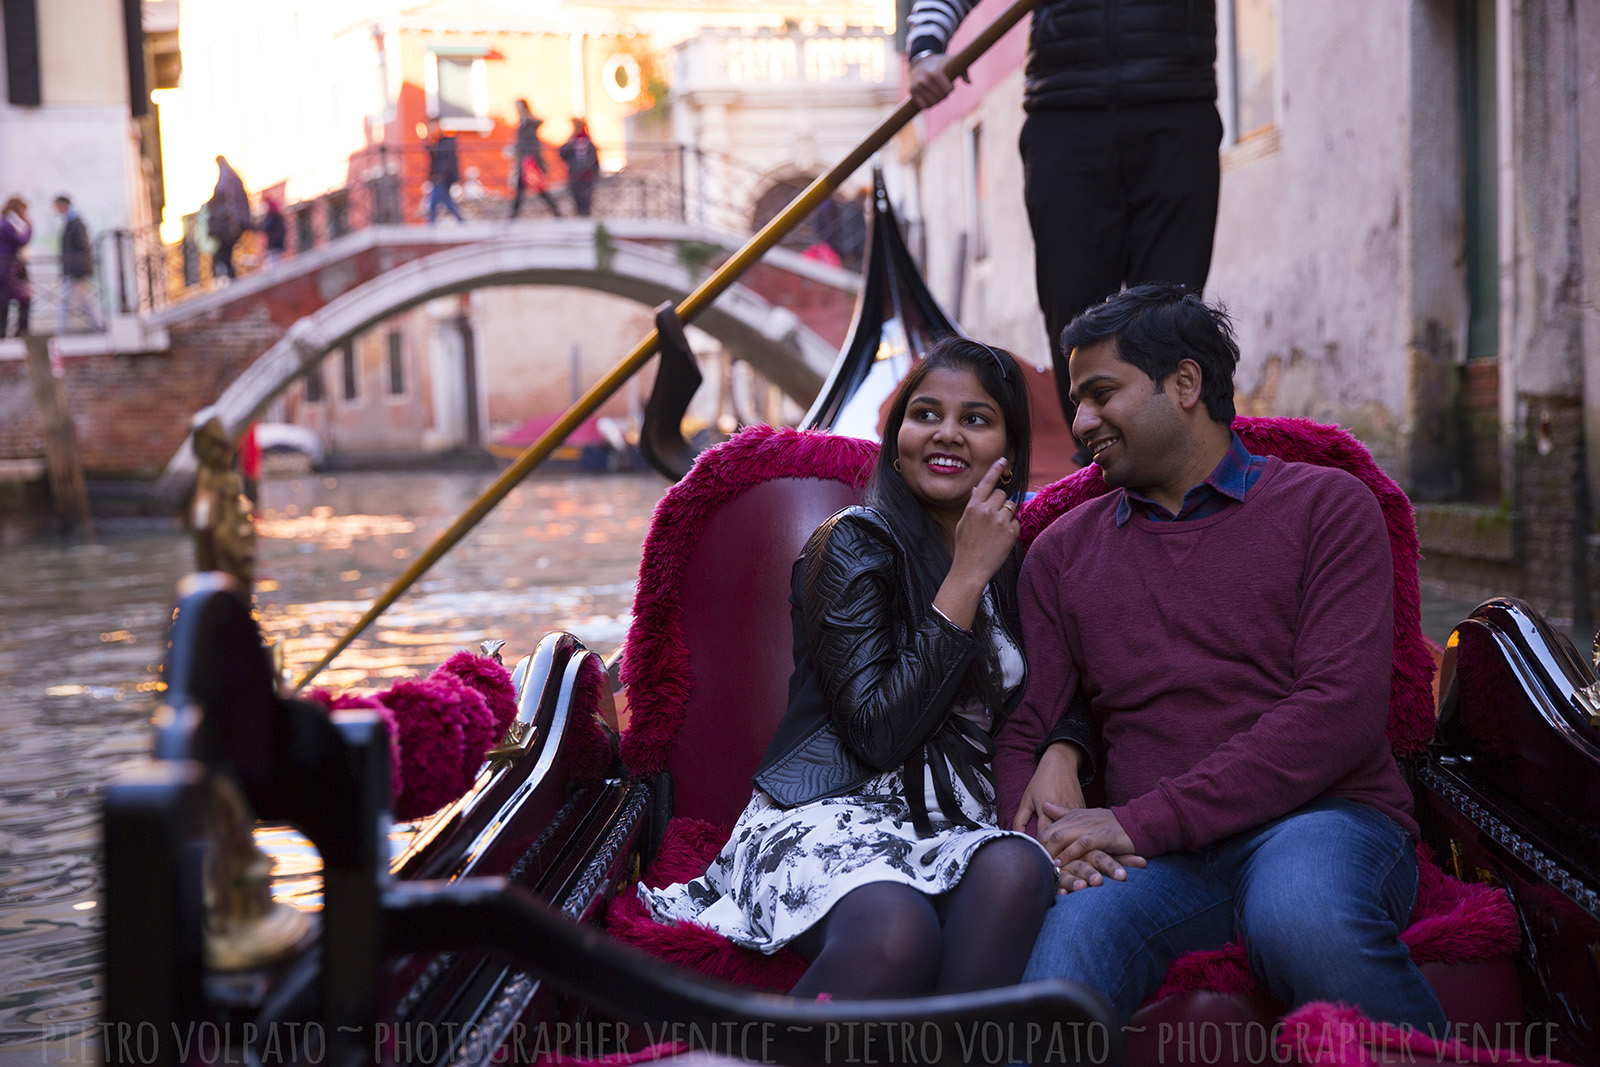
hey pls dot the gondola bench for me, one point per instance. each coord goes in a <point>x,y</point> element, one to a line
<point>706,667</point>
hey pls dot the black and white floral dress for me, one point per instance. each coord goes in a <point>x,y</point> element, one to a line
<point>783,868</point>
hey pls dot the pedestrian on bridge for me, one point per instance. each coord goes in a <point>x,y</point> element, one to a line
<point>15,231</point>
<point>583,167</point>
<point>444,170</point>
<point>531,171</point>
<point>227,218</point>
<point>77,268</point>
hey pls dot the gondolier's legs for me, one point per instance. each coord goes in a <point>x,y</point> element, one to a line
<point>1114,196</point>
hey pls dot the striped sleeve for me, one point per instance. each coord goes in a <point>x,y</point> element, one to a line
<point>932,23</point>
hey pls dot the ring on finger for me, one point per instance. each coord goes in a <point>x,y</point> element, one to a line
<point>1011,504</point>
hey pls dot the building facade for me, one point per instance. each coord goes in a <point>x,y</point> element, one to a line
<point>75,120</point>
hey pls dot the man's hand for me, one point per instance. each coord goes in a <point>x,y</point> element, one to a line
<point>1054,781</point>
<point>1089,846</point>
<point>929,85</point>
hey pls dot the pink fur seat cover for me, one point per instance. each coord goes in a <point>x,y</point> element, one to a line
<point>440,727</point>
<point>1453,920</point>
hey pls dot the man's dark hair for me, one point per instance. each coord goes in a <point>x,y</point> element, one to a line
<point>1157,325</point>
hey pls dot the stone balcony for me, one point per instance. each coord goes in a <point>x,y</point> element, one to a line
<point>745,61</point>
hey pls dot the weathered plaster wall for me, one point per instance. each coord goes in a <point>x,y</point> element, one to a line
<point>1588,87</point>
<point>1543,338</point>
<point>991,291</point>
<point>1310,252</point>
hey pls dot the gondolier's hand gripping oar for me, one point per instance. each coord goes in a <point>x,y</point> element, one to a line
<point>696,302</point>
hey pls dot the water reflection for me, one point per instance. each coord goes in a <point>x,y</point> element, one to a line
<point>81,634</point>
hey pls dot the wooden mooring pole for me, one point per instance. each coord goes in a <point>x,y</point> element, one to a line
<point>68,491</point>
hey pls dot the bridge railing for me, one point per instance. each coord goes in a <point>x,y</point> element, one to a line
<point>389,186</point>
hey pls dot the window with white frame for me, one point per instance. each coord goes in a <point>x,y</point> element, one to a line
<point>350,376</point>
<point>396,366</point>
<point>456,81</point>
<point>1247,68</point>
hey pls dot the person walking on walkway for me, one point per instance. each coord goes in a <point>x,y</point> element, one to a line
<point>77,268</point>
<point>1120,166</point>
<point>227,218</point>
<point>444,170</point>
<point>274,227</point>
<point>15,231</point>
<point>531,170</point>
<point>583,167</point>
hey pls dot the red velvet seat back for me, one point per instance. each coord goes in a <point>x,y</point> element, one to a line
<point>709,653</point>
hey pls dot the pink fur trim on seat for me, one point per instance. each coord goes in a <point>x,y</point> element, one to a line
<point>491,680</point>
<point>1333,1035</point>
<point>655,664</point>
<point>588,746</point>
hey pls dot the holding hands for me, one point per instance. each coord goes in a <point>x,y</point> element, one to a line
<point>1088,844</point>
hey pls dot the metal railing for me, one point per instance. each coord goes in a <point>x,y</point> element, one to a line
<point>389,186</point>
<point>113,288</point>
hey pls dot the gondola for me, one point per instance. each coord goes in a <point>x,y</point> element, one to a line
<point>503,927</point>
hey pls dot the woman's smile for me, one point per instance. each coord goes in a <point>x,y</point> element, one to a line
<point>952,434</point>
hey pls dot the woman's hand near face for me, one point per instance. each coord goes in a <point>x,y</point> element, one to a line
<point>984,537</point>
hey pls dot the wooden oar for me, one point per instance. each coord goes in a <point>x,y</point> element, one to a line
<point>692,305</point>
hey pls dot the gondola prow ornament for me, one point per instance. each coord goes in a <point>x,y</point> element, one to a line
<point>221,515</point>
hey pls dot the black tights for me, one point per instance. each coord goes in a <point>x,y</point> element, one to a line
<point>885,939</point>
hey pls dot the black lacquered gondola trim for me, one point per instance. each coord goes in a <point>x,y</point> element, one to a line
<point>1570,885</point>
<point>487,1035</point>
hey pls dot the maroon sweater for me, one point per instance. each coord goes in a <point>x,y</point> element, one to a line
<point>1238,665</point>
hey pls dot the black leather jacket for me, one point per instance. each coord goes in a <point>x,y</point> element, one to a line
<point>874,675</point>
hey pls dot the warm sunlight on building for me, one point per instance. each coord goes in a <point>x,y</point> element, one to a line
<point>308,95</point>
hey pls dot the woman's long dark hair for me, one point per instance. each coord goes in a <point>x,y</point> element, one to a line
<point>1001,377</point>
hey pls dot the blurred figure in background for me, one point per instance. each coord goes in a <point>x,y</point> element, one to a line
<point>227,218</point>
<point>530,169</point>
<point>77,267</point>
<point>583,166</point>
<point>274,227</point>
<point>15,231</point>
<point>444,170</point>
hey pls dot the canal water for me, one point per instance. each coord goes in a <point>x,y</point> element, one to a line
<point>81,634</point>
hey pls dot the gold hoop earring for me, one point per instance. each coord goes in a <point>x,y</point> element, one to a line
<point>1006,478</point>
<point>897,465</point>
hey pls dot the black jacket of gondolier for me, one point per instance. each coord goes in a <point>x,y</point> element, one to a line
<point>1099,53</point>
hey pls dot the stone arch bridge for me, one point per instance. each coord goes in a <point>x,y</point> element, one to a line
<point>238,347</point>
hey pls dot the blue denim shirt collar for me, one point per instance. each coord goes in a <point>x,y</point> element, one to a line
<point>1228,482</point>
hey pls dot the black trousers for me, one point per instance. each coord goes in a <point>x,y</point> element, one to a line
<point>1117,196</point>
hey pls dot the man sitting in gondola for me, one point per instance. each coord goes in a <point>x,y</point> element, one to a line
<point>1228,617</point>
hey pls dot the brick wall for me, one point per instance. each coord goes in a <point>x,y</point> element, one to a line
<point>1554,551</point>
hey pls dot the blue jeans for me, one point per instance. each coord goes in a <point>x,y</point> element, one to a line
<point>1320,896</point>
<point>439,196</point>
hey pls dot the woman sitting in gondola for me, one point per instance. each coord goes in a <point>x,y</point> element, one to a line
<point>870,842</point>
